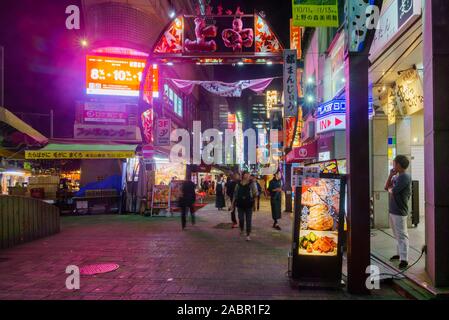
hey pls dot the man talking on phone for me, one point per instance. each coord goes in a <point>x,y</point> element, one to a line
<point>399,185</point>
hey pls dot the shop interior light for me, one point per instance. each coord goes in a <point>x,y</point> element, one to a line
<point>161,160</point>
<point>169,63</point>
<point>240,63</point>
<point>310,80</point>
<point>13,173</point>
<point>310,99</point>
<point>172,14</point>
<point>269,63</point>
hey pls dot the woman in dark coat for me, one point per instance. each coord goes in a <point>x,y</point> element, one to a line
<point>220,202</point>
<point>275,189</point>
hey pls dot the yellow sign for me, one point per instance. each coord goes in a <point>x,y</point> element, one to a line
<point>272,99</point>
<point>48,155</point>
<point>315,13</point>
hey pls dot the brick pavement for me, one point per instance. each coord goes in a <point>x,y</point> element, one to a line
<point>159,261</point>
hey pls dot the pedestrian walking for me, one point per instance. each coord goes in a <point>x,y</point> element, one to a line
<point>244,195</point>
<point>230,192</point>
<point>399,186</point>
<point>220,202</point>
<point>256,205</point>
<point>187,201</point>
<point>275,190</point>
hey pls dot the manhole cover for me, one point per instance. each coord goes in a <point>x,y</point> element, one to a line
<point>223,226</point>
<point>98,268</point>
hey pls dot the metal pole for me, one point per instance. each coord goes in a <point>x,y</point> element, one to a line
<point>51,124</point>
<point>2,75</point>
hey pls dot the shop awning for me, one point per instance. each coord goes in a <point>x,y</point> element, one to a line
<point>82,151</point>
<point>305,152</point>
<point>9,119</point>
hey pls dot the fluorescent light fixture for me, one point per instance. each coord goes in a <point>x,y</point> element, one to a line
<point>269,63</point>
<point>169,63</point>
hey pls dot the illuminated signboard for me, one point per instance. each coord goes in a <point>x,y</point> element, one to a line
<point>114,76</point>
<point>272,99</point>
<point>330,108</point>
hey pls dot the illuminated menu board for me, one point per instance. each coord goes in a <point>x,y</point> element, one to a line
<point>114,76</point>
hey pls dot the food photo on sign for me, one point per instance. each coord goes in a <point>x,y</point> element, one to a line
<point>319,220</point>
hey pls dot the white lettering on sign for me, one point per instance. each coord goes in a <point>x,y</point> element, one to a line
<point>330,123</point>
<point>331,107</point>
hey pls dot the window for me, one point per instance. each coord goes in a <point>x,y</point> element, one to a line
<point>179,109</point>
<point>174,101</point>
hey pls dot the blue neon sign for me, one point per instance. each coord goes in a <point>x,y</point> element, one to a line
<point>330,108</point>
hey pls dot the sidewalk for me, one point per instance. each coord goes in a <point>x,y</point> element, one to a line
<point>383,246</point>
<point>159,261</point>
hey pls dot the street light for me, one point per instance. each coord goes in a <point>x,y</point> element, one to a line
<point>172,14</point>
<point>84,43</point>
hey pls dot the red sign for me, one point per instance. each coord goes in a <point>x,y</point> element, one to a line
<point>147,124</point>
<point>289,130</point>
<point>232,121</point>
<point>305,152</point>
<point>295,38</point>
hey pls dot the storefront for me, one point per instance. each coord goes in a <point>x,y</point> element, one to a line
<point>93,184</point>
<point>397,83</point>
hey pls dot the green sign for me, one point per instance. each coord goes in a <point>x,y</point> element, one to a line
<point>315,13</point>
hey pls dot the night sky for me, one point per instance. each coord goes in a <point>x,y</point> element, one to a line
<point>44,61</point>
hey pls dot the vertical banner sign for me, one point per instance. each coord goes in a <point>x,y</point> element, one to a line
<point>163,131</point>
<point>295,38</point>
<point>290,84</point>
<point>315,13</point>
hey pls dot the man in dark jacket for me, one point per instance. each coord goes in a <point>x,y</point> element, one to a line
<point>230,188</point>
<point>187,201</point>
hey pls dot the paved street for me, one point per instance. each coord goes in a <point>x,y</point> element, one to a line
<point>159,261</point>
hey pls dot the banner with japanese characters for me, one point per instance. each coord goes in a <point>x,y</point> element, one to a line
<point>315,13</point>
<point>290,84</point>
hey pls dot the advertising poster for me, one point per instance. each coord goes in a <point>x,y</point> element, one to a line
<point>315,13</point>
<point>319,220</point>
<point>160,197</point>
